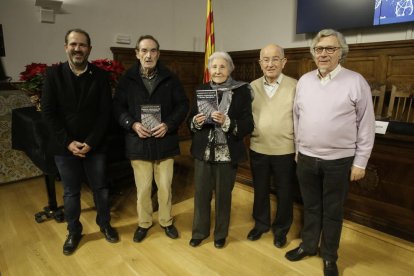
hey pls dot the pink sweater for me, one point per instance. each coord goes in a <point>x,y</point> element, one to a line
<point>335,120</point>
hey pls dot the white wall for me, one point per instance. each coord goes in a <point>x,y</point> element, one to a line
<point>178,24</point>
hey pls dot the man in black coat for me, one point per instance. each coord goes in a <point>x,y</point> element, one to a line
<point>151,148</point>
<point>76,106</point>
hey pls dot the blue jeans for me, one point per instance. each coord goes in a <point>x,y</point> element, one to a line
<point>72,170</point>
<point>324,186</point>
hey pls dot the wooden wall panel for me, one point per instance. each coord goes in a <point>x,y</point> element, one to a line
<point>384,199</point>
<point>366,66</point>
<point>124,55</point>
<point>291,68</point>
<point>400,69</point>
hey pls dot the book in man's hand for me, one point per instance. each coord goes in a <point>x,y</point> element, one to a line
<point>150,115</point>
<point>207,103</point>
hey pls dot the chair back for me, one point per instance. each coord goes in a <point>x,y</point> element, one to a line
<point>378,96</point>
<point>401,105</point>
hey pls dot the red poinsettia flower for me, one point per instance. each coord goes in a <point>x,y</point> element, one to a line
<point>33,78</point>
<point>115,69</point>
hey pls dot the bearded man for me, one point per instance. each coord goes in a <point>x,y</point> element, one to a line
<point>76,106</point>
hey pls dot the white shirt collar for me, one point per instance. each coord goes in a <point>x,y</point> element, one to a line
<point>277,82</point>
<point>80,73</point>
<point>330,75</point>
<point>271,88</point>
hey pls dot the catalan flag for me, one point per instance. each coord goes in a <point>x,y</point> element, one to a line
<point>210,48</point>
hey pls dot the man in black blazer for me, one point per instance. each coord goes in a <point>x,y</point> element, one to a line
<point>76,106</point>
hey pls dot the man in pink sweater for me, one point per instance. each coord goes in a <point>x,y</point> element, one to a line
<point>334,134</point>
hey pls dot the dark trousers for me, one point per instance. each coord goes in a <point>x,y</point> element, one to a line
<point>323,185</point>
<point>209,177</point>
<point>282,167</point>
<point>72,170</point>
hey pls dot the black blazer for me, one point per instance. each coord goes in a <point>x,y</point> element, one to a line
<point>240,114</point>
<point>131,93</point>
<point>71,115</point>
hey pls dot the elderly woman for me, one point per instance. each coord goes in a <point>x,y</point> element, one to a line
<point>217,148</point>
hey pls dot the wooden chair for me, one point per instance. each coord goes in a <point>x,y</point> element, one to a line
<point>378,96</point>
<point>401,106</point>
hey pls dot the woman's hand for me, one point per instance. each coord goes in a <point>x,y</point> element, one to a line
<point>218,117</point>
<point>199,119</point>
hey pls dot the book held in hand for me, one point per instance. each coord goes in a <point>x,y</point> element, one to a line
<point>150,115</point>
<point>207,102</point>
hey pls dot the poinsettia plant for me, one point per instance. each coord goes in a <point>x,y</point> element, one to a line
<point>32,78</point>
<point>115,69</point>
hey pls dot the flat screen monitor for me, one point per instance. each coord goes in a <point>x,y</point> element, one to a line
<point>391,12</point>
<point>315,15</point>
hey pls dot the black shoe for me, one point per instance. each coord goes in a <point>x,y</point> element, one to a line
<point>195,242</point>
<point>254,234</point>
<point>140,234</point>
<point>297,254</point>
<point>279,241</point>
<point>71,243</point>
<point>111,235</point>
<point>219,243</point>
<point>330,268</point>
<point>171,231</point>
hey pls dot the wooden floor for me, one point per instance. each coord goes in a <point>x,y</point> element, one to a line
<point>30,248</point>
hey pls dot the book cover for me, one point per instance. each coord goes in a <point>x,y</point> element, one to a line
<point>150,115</point>
<point>207,102</point>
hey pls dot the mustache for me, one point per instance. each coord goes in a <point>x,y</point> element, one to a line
<point>77,53</point>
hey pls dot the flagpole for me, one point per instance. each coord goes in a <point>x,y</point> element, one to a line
<point>209,40</point>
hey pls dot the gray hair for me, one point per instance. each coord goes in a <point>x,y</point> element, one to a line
<point>331,32</point>
<point>141,38</point>
<point>224,56</point>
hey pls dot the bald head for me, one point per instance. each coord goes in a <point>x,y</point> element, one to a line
<point>273,48</point>
<point>272,61</point>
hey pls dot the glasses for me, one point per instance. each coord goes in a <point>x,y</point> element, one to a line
<point>328,50</point>
<point>271,61</point>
